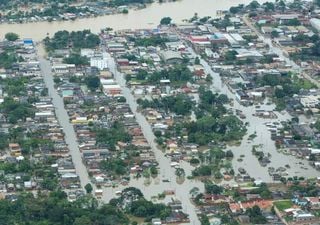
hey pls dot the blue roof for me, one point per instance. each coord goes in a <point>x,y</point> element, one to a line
<point>28,41</point>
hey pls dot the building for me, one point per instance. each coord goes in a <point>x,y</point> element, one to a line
<point>283,18</point>
<point>315,23</point>
<point>172,57</point>
<point>243,54</point>
<point>63,68</point>
<point>14,149</point>
<point>241,96</point>
<point>111,89</point>
<point>99,62</point>
<point>310,101</point>
<point>87,52</point>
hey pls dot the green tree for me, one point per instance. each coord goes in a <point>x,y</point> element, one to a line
<point>76,59</point>
<point>165,21</point>
<point>7,59</point>
<point>11,36</point>
<point>204,220</point>
<point>230,55</point>
<point>256,216</point>
<point>88,188</point>
<point>83,220</point>
<point>317,125</point>
<point>274,34</point>
<point>254,5</point>
<point>92,82</point>
<point>212,188</point>
<point>197,61</point>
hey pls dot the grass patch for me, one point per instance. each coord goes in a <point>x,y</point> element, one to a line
<point>283,205</point>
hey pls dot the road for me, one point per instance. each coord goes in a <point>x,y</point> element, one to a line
<point>63,118</point>
<point>280,52</point>
<point>166,171</point>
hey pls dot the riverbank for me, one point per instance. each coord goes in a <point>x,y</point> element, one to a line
<point>148,17</point>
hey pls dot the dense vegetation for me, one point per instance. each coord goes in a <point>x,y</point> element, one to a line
<point>285,85</point>
<point>111,136</point>
<point>213,124</point>
<point>7,58</point>
<point>75,39</point>
<point>179,104</point>
<point>15,86</point>
<point>76,59</point>
<point>177,75</point>
<point>92,82</point>
<point>136,205</point>
<point>156,40</point>
<point>114,166</point>
<point>211,103</point>
<point>256,216</point>
<point>56,210</point>
<point>127,2</point>
<point>14,110</point>
<point>212,162</point>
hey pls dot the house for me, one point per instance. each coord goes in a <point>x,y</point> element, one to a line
<point>116,47</point>
<point>302,216</point>
<point>267,30</point>
<point>172,57</point>
<point>315,23</point>
<point>61,69</point>
<point>87,52</point>
<point>284,18</point>
<point>242,96</point>
<point>203,38</point>
<point>123,62</point>
<point>300,201</point>
<point>310,101</point>
<point>111,89</point>
<point>314,202</point>
<point>14,149</point>
<point>156,221</point>
<point>243,206</point>
<point>244,54</point>
<point>67,94</point>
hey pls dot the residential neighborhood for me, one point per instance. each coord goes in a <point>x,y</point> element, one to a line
<point>212,120</point>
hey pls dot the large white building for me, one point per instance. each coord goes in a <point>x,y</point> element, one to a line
<point>99,62</point>
<point>315,23</point>
<point>310,101</point>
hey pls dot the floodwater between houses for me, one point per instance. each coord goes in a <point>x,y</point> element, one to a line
<point>152,187</point>
<point>148,17</point>
<point>257,125</point>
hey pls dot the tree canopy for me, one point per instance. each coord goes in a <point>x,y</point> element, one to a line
<point>56,210</point>
<point>165,21</point>
<point>11,36</point>
<point>76,59</point>
<point>75,39</point>
<point>15,110</point>
<point>112,135</point>
<point>92,82</point>
<point>180,104</point>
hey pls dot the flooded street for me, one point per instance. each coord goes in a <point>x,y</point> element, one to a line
<point>151,186</point>
<point>148,17</point>
<point>156,185</point>
<point>63,117</point>
<point>257,125</point>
